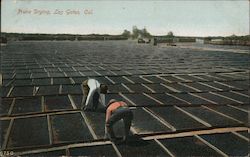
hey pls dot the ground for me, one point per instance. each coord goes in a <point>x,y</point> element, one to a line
<point>186,101</point>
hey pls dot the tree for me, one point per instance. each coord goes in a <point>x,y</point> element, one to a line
<point>126,33</point>
<point>135,32</point>
<point>170,34</point>
<point>145,33</point>
<point>140,33</point>
<point>232,37</point>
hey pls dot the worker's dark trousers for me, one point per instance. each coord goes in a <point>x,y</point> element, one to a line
<point>121,113</point>
<point>95,100</point>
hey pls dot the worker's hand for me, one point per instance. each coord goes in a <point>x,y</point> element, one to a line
<point>106,136</point>
<point>106,132</point>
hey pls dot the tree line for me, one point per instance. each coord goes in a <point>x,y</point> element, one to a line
<point>141,33</point>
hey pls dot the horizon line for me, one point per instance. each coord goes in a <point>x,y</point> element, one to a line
<point>118,34</point>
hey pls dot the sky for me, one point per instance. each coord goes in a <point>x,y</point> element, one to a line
<point>182,17</point>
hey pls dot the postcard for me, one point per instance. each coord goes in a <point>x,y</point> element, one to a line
<point>124,78</point>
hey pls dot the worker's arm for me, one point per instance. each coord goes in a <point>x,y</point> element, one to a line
<point>85,88</point>
<point>102,100</point>
<point>108,114</point>
<point>89,100</point>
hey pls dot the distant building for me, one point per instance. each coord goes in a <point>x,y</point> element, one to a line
<point>200,41</point>
<point>217,41</point>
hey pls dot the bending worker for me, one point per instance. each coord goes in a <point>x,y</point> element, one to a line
<point>117,110</point>
<point>93,91</point>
